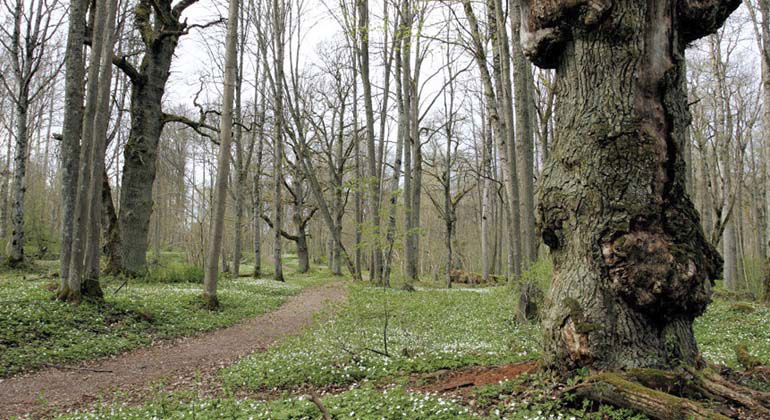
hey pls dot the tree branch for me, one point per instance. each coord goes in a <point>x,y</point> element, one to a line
<point>127,68</point>
<point>197,126</point>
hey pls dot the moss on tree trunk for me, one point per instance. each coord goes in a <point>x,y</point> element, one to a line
<point>632,267</point>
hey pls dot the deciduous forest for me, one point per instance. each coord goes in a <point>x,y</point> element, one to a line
<point>385,209</point>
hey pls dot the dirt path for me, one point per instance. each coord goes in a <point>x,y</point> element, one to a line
<point>178,363</point>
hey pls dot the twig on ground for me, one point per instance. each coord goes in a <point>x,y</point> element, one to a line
<point>120,287</point>
<point>375,351</point>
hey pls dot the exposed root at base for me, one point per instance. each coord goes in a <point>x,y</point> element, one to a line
<point>681,394</point>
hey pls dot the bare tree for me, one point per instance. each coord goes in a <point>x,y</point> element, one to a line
<point>83,275</point>
<point>223,162</point>
<point>160,25</point>
<point>26,41</point>
<point>279,44</point>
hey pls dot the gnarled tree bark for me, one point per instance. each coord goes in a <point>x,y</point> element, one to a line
<point>632,267</point>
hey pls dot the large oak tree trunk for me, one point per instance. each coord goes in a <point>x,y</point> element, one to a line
<point>141,155</point>
<point>632,267</point>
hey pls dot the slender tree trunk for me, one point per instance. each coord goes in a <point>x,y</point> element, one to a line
<point>49,129</point>
<point>522,77</point>
<point>278,17</point>
<point>632,267</point>
<point>765,13</point>
<point>77,272</point>
<point>373,184</point>
<point>357,195</point>
<point>408,97</point>
<point>4,203</point>
<point>703,194</point>
<point>91,286</point>
<point>157,217</point>
<point>223,163</point>
<point>394,183</point>
<point>338,172</point>
<point>240,170</point>
<point>449,211</point>
<point>487,263</point>
<point>258,177</point>
<point>500,133</point>
<point>413,256</point>
<point>71,130</point>
<point>16,245</point>
<point>257,205</point>
<point>729,235</point>
<point>4,206</point>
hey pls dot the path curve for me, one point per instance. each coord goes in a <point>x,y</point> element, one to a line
<point>57,390</point>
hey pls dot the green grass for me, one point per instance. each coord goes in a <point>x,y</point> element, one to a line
<point>360,403</point>
<point>727,324</point>
<point>426,331</point>
<point>36,330</point>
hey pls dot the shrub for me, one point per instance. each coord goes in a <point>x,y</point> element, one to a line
<point>175,273</point>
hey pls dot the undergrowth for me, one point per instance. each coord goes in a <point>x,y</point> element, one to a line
<point>426,331</point>
<point>366,357</point>
<point>37,331</point>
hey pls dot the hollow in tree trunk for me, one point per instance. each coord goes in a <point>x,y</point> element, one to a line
<point>632,267</point>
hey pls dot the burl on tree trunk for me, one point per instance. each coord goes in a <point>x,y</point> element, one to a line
<point>632,267</point>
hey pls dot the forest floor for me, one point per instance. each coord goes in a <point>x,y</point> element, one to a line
<point>391,354</point>
<point>172,364</point>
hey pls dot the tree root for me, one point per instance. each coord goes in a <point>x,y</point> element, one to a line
<point>678,394</point>
<point>211,302</point>
<point>614,389</point>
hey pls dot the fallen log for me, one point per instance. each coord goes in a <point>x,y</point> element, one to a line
<point>613,388</point>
